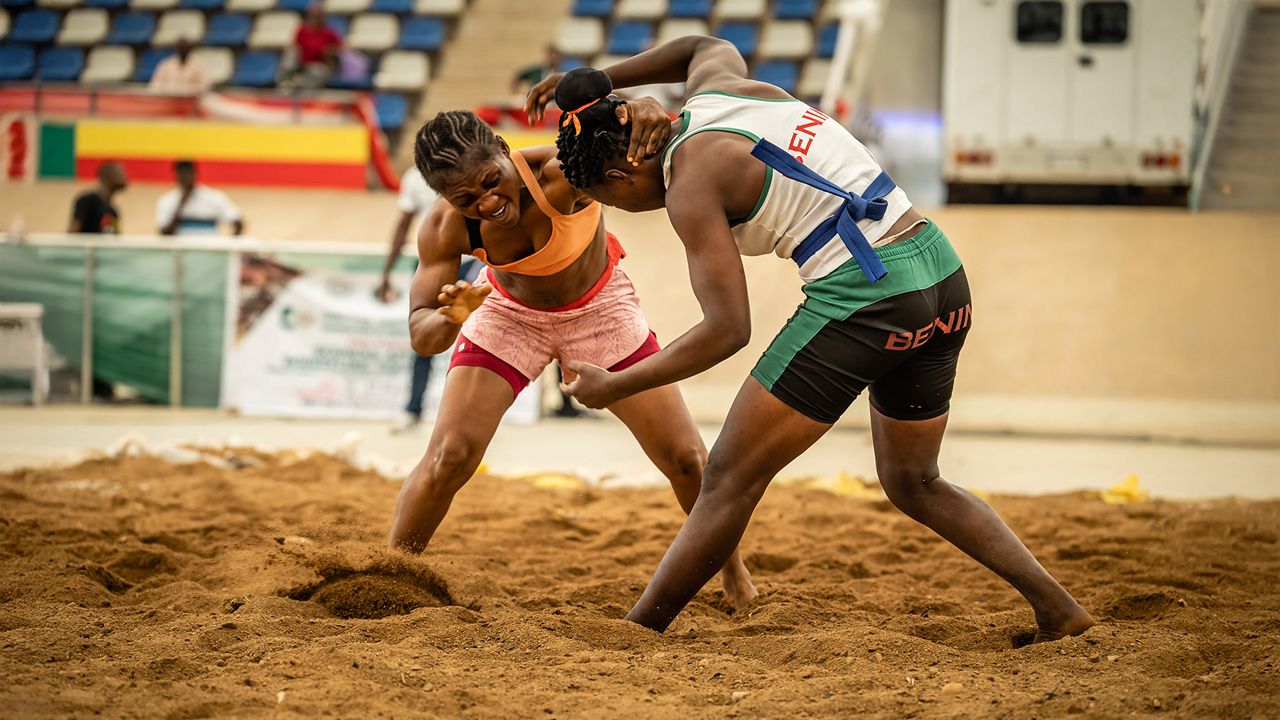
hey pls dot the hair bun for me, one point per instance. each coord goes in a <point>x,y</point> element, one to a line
<point>580,86</point>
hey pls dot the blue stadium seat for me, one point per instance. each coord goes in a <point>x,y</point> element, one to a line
<point>783,73</point>
<point>34,26</point>
<point>392,109</point>
<point>17,62</point>
<point>629,38</point>
<point>298,6</point>
<point>256,69</point>
<point>395,7</point>
<point>689,9</point>
<point>11,4</point>
<point>60,64</point>
<point>593,8</point>
<point>421,33</point>
<point>340,24</point>
<point>571,63</point>
<point>364,82</point>
<point>205,5</point>
<point>795,9</point>
<point>228,30</point>
<point>827,40</point>
<point>108,4</point>
<point>147,63</point>
<point>743,35</point>
<point>132,28</point>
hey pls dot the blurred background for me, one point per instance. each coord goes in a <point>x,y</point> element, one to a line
<point>1110,172</point>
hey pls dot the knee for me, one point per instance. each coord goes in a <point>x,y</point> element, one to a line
<point>685,464</point>
<point>908,486</point>
<point>449,465</point>
<point>729,479</point>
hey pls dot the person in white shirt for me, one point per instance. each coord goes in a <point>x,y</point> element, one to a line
<point>192,209</point>
<point>179,74</point>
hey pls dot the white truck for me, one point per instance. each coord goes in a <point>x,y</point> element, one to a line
<point>1069,93</point>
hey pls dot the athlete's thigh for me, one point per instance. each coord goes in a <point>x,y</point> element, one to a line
<point>474,401</point>
<point>761,435</point>
<point>660,422</point>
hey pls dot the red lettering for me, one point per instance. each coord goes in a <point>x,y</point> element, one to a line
<point>950,320</point>
<point>898,341</point>
<point>803,127</point>
<point>923,335</point>
<point>800,145</point>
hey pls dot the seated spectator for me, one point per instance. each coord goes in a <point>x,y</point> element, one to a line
<point>533,74</point>
<point>93,212</point>
<point>314,56</point>
<point>192,209</point>
<point>179,74</point>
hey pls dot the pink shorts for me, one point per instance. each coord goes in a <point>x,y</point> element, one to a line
<point>605,327</point>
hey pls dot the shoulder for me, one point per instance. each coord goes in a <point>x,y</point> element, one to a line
<point>443,231</point>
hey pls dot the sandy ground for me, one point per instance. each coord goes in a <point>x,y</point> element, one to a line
<point>133,587</point>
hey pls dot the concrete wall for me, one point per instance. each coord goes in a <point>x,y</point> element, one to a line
<point>1087,320</point>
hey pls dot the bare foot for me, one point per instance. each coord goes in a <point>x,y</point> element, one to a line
<point>738,588</point>
<point>1072,624</point>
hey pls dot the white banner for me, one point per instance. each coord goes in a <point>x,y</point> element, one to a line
<point>317,343</point>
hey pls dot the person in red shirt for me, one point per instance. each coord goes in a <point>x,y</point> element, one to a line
<point>315,48</point>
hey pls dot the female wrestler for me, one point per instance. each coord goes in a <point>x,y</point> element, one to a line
<point>553,290</point>
<point>751,170</point>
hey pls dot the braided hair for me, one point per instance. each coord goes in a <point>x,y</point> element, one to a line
<point>586,147</point>
<point>448,141</point>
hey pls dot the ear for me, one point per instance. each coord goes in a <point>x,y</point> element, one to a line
<point>617,174</point>
<point>502,142</point>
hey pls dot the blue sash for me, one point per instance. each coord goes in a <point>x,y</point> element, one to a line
<point>845,222</point>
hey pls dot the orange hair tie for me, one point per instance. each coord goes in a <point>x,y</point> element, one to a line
<point>572,115</point>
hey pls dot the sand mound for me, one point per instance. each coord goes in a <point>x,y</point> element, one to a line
<point>237,584</point>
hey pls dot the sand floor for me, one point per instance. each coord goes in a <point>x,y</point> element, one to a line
<point>133,587</point>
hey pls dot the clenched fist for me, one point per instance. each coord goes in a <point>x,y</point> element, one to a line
<point>459,300</point>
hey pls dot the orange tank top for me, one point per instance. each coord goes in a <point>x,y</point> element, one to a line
<point>571,234</point>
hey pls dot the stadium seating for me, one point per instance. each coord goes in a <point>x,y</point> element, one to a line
<point>132,28</point>
<point>579,36</point>
<point>58,4</point>
<point>346,7</point>
<point>107,4</point>
<point>17,62</point>
<point>16,4</point>
<point>256,68</point>
<point>147,63</point>
<point>153,4</point>
<point>274,30</point>
<point>205,5</point>
<point>178,25</point>
<point>422,33</point>
<point>218,62</point>
<point>4,23</point>
<point>373,32</point>
<point>813,78</point>
<point>340,24</point>
<point>593,8</point>
<point>297,6</point>
<point>108,64</point>
<point>640,9</point>
<point>395,7</point>
<point>700,9</point>
<point>630,37</point>
<point>60,64</point>
<point>791,39</point>
<point>439,8</point>
<point>249,6</point>
<point>783,73</point>
<point>392,109</point>
<point>35,27</point>
<point>795,9</point>
<point>827,40</point>
<point>671,29</point>
<point>228,30</point>
<point>402,70</point>
<point>744,36</point>
<point>739,10</point>
<point>84,26</point>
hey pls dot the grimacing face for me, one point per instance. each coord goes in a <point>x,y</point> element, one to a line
<point>488,190</point>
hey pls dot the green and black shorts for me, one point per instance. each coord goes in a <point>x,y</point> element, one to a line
<point>901,337</point>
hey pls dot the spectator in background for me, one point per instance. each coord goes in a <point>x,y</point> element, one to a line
<point>179,74</point>
<point>192,209</point>
<point>315,51</point>
<point>93,211</point>
<point>534,74</point>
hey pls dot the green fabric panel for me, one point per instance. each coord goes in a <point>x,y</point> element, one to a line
<point>916,263</point>
<point>57,151</point>
<point>132,304</point>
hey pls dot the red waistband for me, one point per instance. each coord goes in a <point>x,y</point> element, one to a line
<point>616,253</point>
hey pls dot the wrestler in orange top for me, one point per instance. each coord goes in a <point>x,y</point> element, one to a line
<point>553,290</point>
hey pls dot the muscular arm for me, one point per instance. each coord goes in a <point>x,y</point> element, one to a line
<point>439,257</point>
<point>695,205</point>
